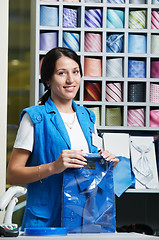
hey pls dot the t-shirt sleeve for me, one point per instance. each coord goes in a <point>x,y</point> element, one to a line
<point>25,134</point>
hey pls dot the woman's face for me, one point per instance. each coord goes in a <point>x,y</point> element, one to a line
<point>65,80</point>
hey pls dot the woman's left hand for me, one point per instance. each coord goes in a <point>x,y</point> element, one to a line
<point>109,157</point>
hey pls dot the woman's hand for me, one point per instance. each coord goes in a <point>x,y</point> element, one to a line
<point>69,159</point>
<point>109,157</point>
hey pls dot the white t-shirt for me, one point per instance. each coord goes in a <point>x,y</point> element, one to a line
<point>25,134</point>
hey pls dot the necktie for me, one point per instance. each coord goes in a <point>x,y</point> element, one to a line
<point>142,169</point>
<point>49,16</point>
<point>137,1</point>
<point>92,67</point>
<point>154,44</point>
<point>155,1</point>
<point>136,68</point>
<point>154,118</point>
<point>116,1</point>
<point>97,112</point>
<point>93,42</point>
<point>40,64</point>
<point>113,116</point>
<point>70,0</point>
<point>48,41</point>
<point>92,91</point>
<point>137,19</point>
<point>115,18</point>
<point>155,20</point>
<point>90,212</point>
<point>93,18</point>
<point>114,67</point>
<point>136,92</point>
<point>41,89</point>
<point>154,93</point>
<point>137,43</point>
<point>113,92</point>
<point>69,18</point>
<point>93,1</point>
<point>114,43</point>
<point>71,40</point>
<point>136,117</point>
<point>154,70</point>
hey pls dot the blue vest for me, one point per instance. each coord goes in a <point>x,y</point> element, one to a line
<point>43,208</point>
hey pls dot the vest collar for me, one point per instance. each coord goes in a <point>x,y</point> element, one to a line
<point>82,116</point>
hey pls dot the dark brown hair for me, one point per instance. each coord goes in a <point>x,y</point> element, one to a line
<point>48,67</point>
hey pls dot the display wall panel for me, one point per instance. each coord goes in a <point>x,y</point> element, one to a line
<point>135,34</point>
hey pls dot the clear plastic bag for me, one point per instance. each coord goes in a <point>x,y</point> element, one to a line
<point>88,197</point>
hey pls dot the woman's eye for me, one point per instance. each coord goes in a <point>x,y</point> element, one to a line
<point>61,73</point>
<point>76,72</point>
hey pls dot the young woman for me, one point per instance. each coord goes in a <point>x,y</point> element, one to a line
<point>52,136</point>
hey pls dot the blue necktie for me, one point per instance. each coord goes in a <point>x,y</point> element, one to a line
<point>71,40</point>
<point>93,18</point>
<point>136,68</point>
<point>114,43</point>
<point>49,16</point>
<point>115,18</point>
<point>137,43</point>
<point>115,1</point>
<point>69,18</point>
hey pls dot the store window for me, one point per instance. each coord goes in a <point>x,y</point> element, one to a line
<point>18,68</point>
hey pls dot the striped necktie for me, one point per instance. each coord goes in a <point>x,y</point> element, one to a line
<point>136,117</point>
<point>154,93</point>
<point>114,67</point>
<point>93,42</point>
<point>92,91</point>
<point>116,1</point>
<point>93,18</point>
<point>69,17</point>
<point>71,40</point>
<point>114,43</point>
<point>137,19</point>
<point>155,20</point>
<point>154,118</point>
<point>136,68</point>
<point>115,18</point>
<point>113,92</point>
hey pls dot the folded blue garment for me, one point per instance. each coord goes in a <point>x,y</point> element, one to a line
<point>88,197</point>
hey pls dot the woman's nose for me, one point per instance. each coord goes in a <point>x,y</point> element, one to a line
<point>69,78</point>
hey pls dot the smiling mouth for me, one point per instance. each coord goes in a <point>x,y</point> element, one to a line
<point>69,87</point>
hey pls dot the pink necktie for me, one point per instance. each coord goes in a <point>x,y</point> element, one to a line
<point>92,67</point>
<point>113,92</point>
<point>154,93</point>
<point>93,42</point>
<point>154,69</point>
<point>154,118</point>
<point>155,20</point>
<point>136,117</point>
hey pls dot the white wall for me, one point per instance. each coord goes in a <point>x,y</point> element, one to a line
<point>4,14</point>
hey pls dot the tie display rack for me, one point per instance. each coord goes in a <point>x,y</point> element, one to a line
<point>134,90</point>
